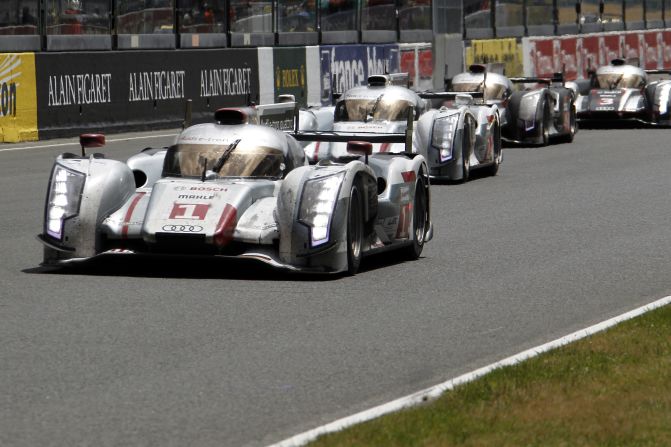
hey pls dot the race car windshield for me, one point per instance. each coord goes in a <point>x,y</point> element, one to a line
<point>224,160</point>
<point>491,91</point>
<point>375,109</point>
<point>620,80</point>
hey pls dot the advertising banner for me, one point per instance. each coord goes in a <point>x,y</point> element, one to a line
<point>575,55</point>
<point>417,61</point>
<point>506,51</point>
<point>290,73</point>
<point>135,90</point>
<point>18,100</point>
<point>347,66</point>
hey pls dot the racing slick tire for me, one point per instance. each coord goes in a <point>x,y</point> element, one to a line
<point>466,156</point>
<point>354,230</point>
<point>573,127</point>
<point>545,124</point>
<point>493,169</point>
<point>420,220</point>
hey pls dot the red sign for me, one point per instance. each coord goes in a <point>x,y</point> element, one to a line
<point>191,211</point>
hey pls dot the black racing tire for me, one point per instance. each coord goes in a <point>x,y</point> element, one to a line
<point>493,169</point>
<point>573,127</point>
<point>354,230</point>
<point>545,124</point>
<point>466,155</point>
<point>420,220</point>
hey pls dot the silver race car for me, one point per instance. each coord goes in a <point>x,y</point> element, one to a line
<point>459,136</point>
<point>453,139</point>
<point>240,190</point>
<point>536,115</point>
<point>621,92</point>
<point>382,106</point>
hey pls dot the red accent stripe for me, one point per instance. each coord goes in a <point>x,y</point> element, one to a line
<point>384,147</point>
<point>129,214</point>
<point>409,176</point>
<point>224,232</point>
<point>315,155</point>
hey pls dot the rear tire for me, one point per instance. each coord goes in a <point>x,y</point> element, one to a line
<point>420,220</point>
<point>354,230</point>
<point>573,127</point>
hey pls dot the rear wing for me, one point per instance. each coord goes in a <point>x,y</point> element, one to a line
<point>279,116</point>
<point>658,72</point>
<point>370,137</point>
<point>450,95</point>
<point>557,78</point>
<point>399,79</point>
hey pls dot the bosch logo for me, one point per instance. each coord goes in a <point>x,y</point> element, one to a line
<point>182,228</point>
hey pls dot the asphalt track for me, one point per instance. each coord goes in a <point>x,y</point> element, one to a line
<point>173,353</point>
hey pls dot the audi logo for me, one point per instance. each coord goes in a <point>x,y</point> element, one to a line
<point>182,228</point>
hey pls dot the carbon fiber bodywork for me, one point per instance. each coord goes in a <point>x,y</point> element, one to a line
<point>287,221</point>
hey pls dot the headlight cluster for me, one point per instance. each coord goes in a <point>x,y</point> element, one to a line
<point>317,204</point>
<point>443,133</point>
<point>64,196</point>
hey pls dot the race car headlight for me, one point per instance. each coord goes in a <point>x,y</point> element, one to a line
<point>443,134</point>
<point>65,193</point>
<point>317,204</point>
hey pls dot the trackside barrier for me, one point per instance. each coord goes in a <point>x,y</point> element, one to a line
<point>575,54</point>
<point>18,100</point>
<point>64,94</point>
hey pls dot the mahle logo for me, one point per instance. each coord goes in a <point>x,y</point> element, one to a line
<point>8,87</point>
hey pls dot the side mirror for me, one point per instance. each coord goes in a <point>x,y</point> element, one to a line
<point>89,140</point>
<point>360,148</point>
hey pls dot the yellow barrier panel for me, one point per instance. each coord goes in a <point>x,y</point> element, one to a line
<point>18,97</point>
<point>506,51</point>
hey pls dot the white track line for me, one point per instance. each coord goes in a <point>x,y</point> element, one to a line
<point>76,143</point>
<point>437,390</point>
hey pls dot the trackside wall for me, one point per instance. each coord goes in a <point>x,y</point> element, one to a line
<point>47,95</point>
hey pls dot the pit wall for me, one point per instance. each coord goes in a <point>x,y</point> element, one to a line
<point>47,95</point>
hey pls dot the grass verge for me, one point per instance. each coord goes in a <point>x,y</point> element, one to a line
<point>610,389</point>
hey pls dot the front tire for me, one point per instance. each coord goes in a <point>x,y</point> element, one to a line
<point>573,127</point>
<point>354,230</point>
<point>545,124</point>
<point>420,220</point>
<point>493,169</point>
<point>466,156</point>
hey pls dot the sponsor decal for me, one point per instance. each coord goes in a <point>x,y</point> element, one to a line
<point>505,51</point>
<point>225,82</point>
<point>347,66</point>
<point>191,211</point>
<point>201,188</point>
<point>84,88</point>
<point>18,99</point>
<point>290,73</point>
<point>195,197</point>
<point>155,85</point>
<point>7,98</point>
<point>182,228</point>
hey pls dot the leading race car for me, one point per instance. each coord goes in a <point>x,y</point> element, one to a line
<point>621,92</point>
<point>537,115</point>
<point>452,139</point>
<point>239,190</point>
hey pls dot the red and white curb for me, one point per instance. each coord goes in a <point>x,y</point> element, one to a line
<point>437,390</point>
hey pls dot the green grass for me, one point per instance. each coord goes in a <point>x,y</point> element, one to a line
<point>611,389</point>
